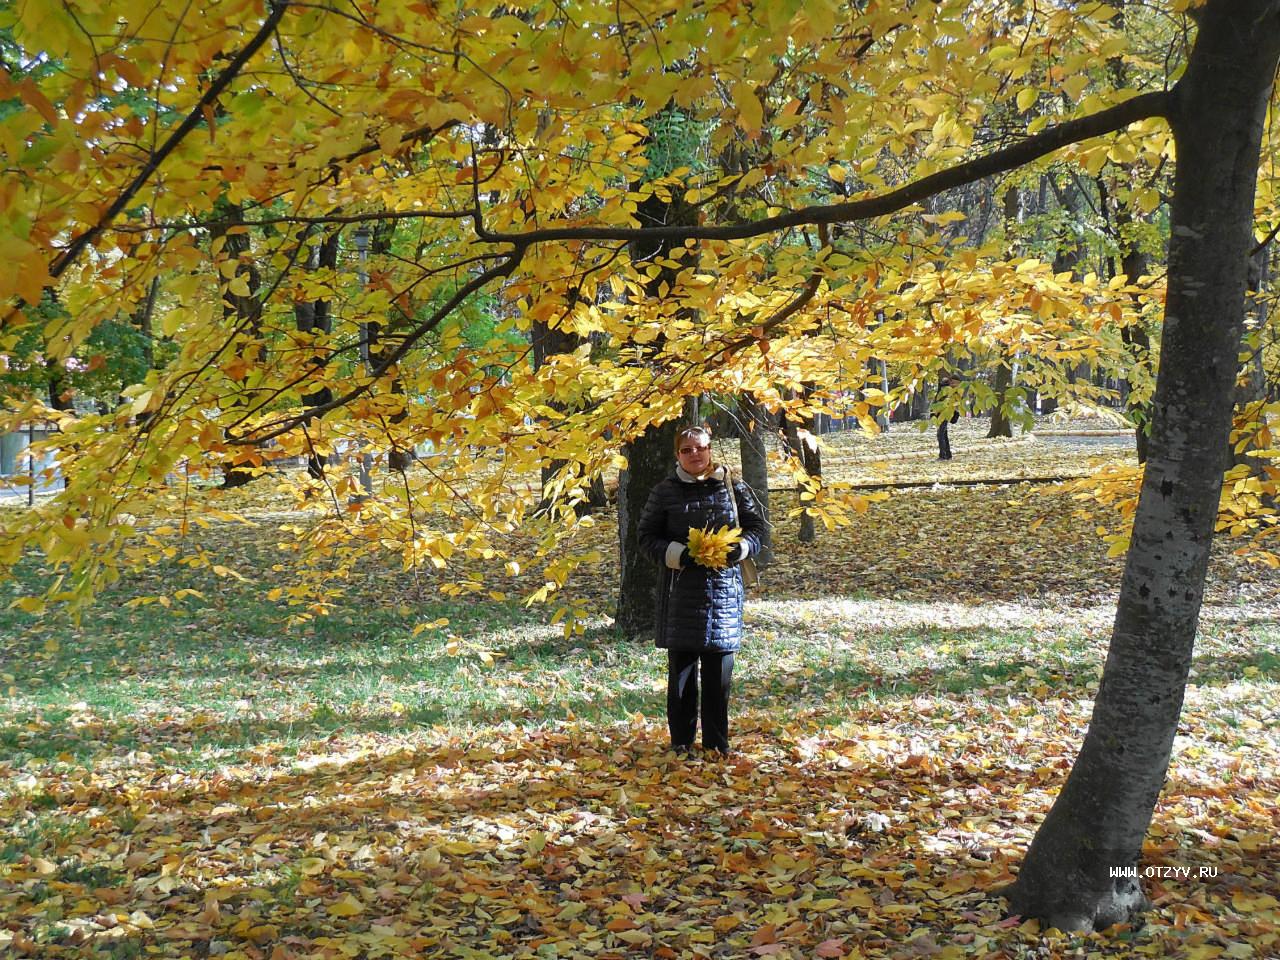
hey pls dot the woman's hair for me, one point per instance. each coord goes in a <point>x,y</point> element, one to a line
<point>687,433</point>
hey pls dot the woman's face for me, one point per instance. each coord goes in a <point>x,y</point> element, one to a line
<point>694,454</point>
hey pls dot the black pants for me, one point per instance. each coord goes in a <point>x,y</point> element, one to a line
<point>682,698</point>
<point>944,442</point>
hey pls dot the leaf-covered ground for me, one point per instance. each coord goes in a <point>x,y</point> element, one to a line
<point>202,781</point>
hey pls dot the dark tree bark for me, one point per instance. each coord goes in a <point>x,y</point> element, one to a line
<point>755,467</point>
<point>383,340</point>
<point>547,342</point>
<point>1001,425</point>
<point>649,456</point>
<point>808,454</point>
<point>1251,386</point>
<point>649,460</point>
<point>1100,819</point>
<point>243,312</point>
<point>315,316</point>
<point>1134,263</point>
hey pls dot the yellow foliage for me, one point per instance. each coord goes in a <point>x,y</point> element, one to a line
<point>711,547</point>
<point>335,119</point>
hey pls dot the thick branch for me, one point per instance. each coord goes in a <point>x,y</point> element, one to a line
<point>1142,107</point>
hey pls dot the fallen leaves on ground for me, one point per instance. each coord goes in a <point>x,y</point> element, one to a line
<point>851,834</point>
<point>363,787</point>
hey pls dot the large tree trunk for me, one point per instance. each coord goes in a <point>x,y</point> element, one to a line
<point>650,456</point>
<point>649,460</point>
<point>1096,827</point>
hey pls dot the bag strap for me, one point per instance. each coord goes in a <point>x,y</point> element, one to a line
<point>733,496</point>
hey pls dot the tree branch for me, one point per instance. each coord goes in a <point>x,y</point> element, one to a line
<point>1141,107</point>
<point>220,83</point>
<point>286,424</point>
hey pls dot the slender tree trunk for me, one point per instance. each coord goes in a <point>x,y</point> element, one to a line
<point>382,342</point>
<point>807,453</point>
<point>243,311</point>
<point>1001,425</point>
<point>142,318</point>
<point>1134,264</point>
<point>755,468</point>
<point>547,342</point>
<point>315,317</point>
<point>1138,341</point>
<point>1098,822</point>
<point>1251,386</point>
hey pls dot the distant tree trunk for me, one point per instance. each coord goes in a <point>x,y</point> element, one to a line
<point>1099,820</point>
<point>1134,263</point>
<point>806,451</point>
<point>649,460</point>
<point>1251,386</point>
<point>142,319</point>
<point>882,413</point>
<point>1001,425</point>
<point>244,313</point>
<point>546,342</point>
<point>755,467</point>
<point>316,317</point>
<point>382,343</point>
<point>1136,338</point>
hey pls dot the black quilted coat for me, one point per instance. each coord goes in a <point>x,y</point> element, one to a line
<point>699,609</point>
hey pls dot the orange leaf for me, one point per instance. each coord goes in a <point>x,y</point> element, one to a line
<point>35,98</point>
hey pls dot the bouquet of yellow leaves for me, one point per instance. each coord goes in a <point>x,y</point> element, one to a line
<point>711,547</point>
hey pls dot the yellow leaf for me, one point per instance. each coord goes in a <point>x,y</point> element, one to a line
<point>1074,85</point>
<point>347,906</point>
<point>1244,903</point>
<point>711,547</point>
<point>750,110</point>
<point>1027,97</point>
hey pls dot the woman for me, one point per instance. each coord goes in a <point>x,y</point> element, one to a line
<point>699,608</point>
